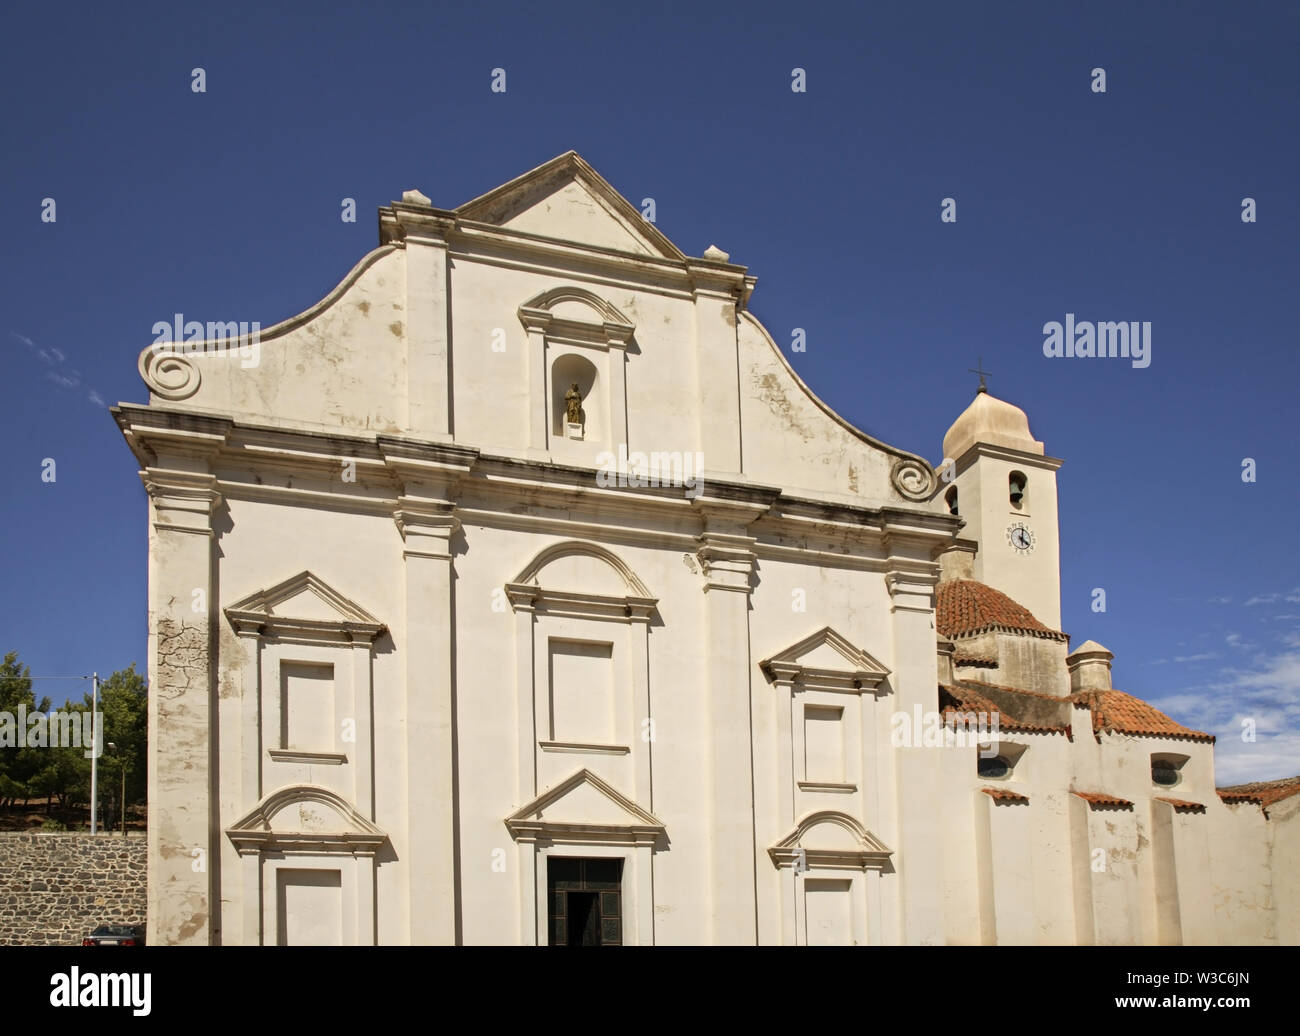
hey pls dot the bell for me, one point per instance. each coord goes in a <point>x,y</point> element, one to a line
<point>1017,492</point>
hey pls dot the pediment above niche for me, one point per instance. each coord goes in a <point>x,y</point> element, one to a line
<point>305,606</point>
<point>573,313</point>
<point>827,661</point>
<point>830,839</point>
<point>566,199</point>
<point>304,817</point>
<point>581,579</point>
<point>584,809</point>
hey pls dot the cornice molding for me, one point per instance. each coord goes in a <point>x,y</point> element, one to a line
<point>641,828</point>
<point>1007,453</point>
<point>526,593</point>
<point>256,614</point>
<point>860,672</point>
<point>869,853</point>
<point>428,474</point>
<point>255,833</point>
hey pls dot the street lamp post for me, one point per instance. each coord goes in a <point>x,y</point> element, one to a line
<point>94,748</point>
<point>121,799</point>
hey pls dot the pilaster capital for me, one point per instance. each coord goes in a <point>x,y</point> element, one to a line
<point>183,501</point>
<point>426,526</point>
<point>413,223</point>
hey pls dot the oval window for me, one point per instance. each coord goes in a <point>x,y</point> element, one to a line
<point>1164,774</point>
<point>993,769</point>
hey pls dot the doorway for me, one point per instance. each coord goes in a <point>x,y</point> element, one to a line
<point>584,901</point>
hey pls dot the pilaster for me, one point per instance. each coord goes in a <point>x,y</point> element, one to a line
<point>726,552</point>
<point>183,835</point>
<point>427,474</point>
<point>428,318</point>
<point>910,577</point>
<point>719,293</point>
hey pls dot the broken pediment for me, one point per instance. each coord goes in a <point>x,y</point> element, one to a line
<point>584,809</point>
<point>303,605</point>
<point>566,199</point>
<point>305,817</point>
<point>830,839</point>
<point>828,661</point>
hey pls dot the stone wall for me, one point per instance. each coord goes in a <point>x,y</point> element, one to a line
<point>55,888</point>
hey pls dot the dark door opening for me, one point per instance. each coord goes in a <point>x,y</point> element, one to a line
<point>585,901</point>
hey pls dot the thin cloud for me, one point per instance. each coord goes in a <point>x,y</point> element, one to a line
<point>60,379</point>
<point>59,373</point>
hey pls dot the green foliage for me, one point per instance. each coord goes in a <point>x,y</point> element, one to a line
<point>51,824</point>
<point>124,703</point>
<point>63,773</point>
<point>17,765</point>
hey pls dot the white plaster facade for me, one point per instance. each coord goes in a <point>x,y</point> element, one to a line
<point>410,653</point>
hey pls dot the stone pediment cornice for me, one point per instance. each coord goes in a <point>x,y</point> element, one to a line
<point>545,818</point>
<point>527,592</point>
<point>497,204</point>
<point>860,671</point>
<point>475,228</point>
<point>257,831</point>
<point>608,325</point>
<point>808,844</point>
<point>262,612</point>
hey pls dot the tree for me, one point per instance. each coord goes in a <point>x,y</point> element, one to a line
<point>124,706</point>
<point>18,765</point>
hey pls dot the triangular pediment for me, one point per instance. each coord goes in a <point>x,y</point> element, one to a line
<point>826,656</point>
<point>302,602</point>
<point>584,807</point>
<point>566,199</point>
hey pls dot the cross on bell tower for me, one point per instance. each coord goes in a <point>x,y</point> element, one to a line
<point>979,369</point>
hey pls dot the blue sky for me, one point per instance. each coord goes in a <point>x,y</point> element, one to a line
<point>1117,206</point>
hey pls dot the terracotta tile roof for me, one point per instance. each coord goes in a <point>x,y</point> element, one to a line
<point>1117,712</point>
<point>966,697</point>
<point>1096,800</point>
<point>961,699</point>
<point>1001,795</point>
<point>974,661</point>
<point>964,607</point>
<point>1182,805</point>
<point>1261,793</point>
<point>1040,695</point>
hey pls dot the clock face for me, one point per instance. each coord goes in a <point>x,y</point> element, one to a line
<point>1020,538</point>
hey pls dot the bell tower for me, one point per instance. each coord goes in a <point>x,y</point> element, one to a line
<point>996,476</point>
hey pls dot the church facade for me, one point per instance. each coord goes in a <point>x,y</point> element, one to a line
<point>520,592</point>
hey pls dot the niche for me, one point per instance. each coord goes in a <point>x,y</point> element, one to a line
<point>567,371</point>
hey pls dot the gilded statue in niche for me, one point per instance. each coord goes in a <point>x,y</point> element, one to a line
<point>573,405</point>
